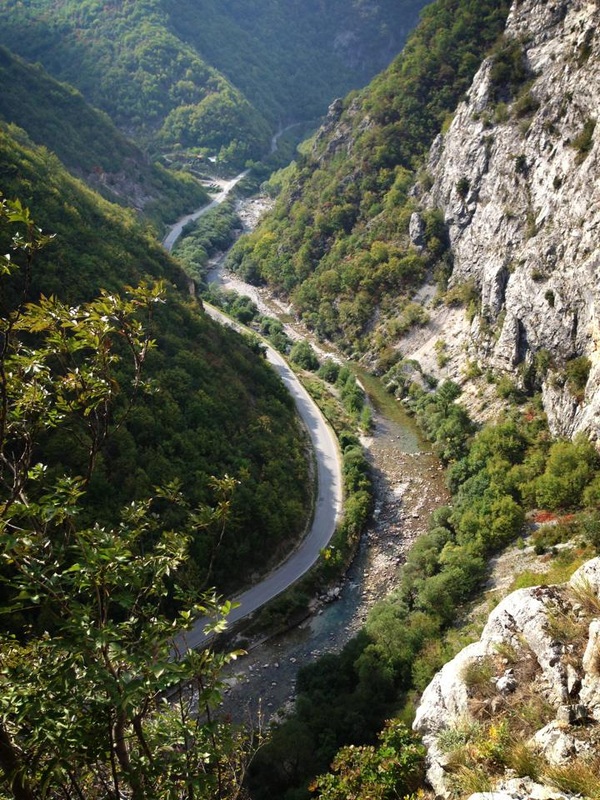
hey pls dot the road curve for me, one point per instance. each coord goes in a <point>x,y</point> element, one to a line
<point>175,232</point>
<point>328,504</point>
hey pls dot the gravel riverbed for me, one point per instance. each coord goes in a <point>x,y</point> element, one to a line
<point>409,485</point>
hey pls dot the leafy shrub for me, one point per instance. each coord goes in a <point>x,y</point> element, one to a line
<point>329,370</point>
<point>304,356</point>
<point>577,371</point>
<point>507,389</point>
<point>521,165</point>
<point>569,469</point>
<point>525,105</point>
<point>386,772</point>
<point>509,69</point>
<point>462,294</point>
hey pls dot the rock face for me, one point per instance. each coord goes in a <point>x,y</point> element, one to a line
<point>516,176</point>
<point>543,663</point>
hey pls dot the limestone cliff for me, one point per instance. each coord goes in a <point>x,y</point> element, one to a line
<point>516,175</point>
<point>524,700</point>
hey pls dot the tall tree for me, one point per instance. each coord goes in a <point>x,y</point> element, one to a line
<point>94,701</point>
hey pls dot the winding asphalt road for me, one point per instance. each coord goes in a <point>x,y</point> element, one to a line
<point>328,503</point>
<point>327,511</point>
<point>175,232</point>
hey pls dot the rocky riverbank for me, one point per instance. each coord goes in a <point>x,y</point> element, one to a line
<point>408,487</point>
<point>408,483</point>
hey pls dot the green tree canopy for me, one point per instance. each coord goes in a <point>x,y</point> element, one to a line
<point>95,701</point>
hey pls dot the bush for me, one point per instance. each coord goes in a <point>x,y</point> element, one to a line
<point>303,356</point>
<point>570,467</point>
<point>386,772</point>
<point>329,370</point>
<point>525,105</point>
<point>577,371</point>
<point>509,69</point>
<point>521,165</point>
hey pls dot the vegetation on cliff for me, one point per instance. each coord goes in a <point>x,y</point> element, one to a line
<point>338,240</point>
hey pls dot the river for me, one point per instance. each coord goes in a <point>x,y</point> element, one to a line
<point>409,485</point>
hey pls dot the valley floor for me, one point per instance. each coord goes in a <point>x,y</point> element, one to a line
<point>408,487</point>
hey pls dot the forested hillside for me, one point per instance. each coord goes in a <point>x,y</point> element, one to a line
<point>58,117</point>
<point>219,76</point>
<point>89,145</point>
<point>338,239</point>
<point>215,408</point>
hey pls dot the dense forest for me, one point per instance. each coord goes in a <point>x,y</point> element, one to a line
<point>215,408</point>
<point>221,77</point>
<point>337,241</point>
<point>56,116</point>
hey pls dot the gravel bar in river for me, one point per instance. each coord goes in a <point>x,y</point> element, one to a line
<point>409,485</point>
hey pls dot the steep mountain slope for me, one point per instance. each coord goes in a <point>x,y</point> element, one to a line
<point>338,237</point>
<point>516,179</point>
<point>214,408</point>
<point>501,217</point>
<point>89,145</point>
<point>155,66</point>
<point>315,50</point>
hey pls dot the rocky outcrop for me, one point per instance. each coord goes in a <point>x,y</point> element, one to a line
<point>516,176</point>
<point>525,654</point>
<point>339,132</point>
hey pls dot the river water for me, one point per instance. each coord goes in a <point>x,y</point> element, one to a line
<point>409,485</point>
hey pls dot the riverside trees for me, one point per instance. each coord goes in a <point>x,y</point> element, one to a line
<point>86,659</point>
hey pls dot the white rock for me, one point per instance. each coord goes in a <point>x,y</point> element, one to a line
<point>555,743</point>
<point>519,621</point>
<point>527,238</point>
<point>526,789</point>
<point>492,796</point>
<point>587,576</point>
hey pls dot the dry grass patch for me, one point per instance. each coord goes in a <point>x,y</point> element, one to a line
<point>525,761</point>
<point>493,738</point>
<point>580,777</point>
<point>551,569</point>
<point>563,625</point>
<point>477,676</point>
<point>585,594</point>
